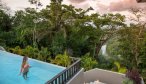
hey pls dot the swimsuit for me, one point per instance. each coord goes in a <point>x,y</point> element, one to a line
<point>25,69</point>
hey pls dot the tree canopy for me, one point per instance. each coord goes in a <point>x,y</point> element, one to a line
<point>59,31</point>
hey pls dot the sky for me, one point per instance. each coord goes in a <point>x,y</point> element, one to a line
<point>100,6</point>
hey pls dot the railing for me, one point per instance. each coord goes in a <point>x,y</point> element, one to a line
<point>64,76</point>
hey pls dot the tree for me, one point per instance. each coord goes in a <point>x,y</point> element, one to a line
<point>4,7</point>
<point>5,21</point>
<point>5,24</point>
<point>130,43</point>
<point>109,24</point>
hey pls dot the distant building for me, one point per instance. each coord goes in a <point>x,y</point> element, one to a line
<point>141,1</point>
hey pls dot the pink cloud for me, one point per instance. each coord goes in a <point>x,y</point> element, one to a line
<point>108,5</point>
<point>100,6</point>
<point>120,5</point>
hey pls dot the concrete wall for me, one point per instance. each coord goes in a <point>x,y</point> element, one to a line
<point>1,48</point>
<point>104,76</point>
<point>78,78</point>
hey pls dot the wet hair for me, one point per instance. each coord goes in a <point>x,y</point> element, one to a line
<point>25,58</point>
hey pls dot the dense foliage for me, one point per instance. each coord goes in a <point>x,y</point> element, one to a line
<point>59,27</point>
<point>59,31</point>
<point>128,46</point>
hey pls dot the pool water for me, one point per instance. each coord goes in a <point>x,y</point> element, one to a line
<point>39,73</point>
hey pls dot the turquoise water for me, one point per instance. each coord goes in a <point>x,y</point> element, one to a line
<point>39,73</point>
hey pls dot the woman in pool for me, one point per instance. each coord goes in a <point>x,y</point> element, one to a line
<point>24,67</point>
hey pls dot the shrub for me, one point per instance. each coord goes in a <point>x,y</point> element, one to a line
<point>128,81</point>
<point>88,62</point>
<point>16,50</point>
<point>134,75</point>
<point>119,68</point>
<point>62,59</point>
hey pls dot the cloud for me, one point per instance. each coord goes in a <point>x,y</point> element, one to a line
<point>84,4</point>
<point>105,6</point>
<point>119,5</point>
<point>77,1</point>
<point>100,6</point>
<point>22,4</point>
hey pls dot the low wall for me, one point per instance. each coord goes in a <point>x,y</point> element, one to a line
<point>1,48</point>
<point>104,76</point>
<point>78,78</point>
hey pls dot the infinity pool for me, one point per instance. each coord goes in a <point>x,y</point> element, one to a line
<point>39,73</point>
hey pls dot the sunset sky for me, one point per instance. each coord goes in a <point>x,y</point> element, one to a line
<point>101,6</point>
